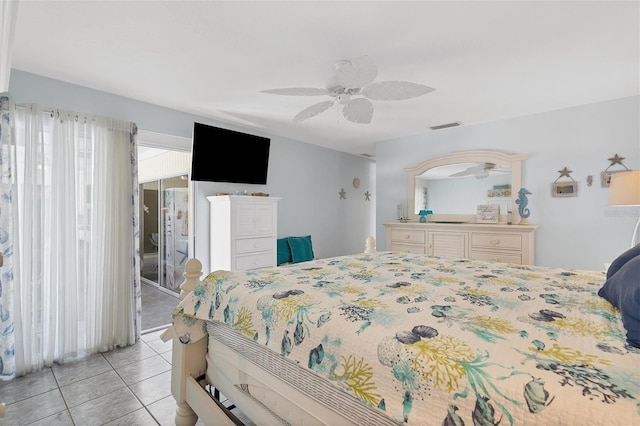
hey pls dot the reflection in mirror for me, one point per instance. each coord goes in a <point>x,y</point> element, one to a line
<point>454,184</point>
<point>459,188</point>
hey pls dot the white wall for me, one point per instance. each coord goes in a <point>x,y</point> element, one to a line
<point>581,232</point>
<point>307,177</point>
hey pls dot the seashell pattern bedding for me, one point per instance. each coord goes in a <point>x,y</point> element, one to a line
<point>430,340</point>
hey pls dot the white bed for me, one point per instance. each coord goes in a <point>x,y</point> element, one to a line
<point>225,369</point>
<point>524,345</point>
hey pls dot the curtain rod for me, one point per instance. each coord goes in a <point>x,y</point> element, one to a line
<point>56,112</point>
<point>78,116</point>
<point>23,106</point>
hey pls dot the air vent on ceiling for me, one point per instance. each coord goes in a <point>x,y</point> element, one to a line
<point>445,126</point>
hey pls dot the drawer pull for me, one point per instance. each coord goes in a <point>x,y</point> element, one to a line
<point>407,236</point>
<point>495,242</point>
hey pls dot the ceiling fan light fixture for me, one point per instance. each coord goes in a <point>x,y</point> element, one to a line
<point>342,65</point>
<point>344,98</point>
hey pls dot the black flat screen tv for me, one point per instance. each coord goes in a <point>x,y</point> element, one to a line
<point>222,155</point>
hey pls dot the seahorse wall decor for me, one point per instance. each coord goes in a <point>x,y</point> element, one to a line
<point>522,202</point>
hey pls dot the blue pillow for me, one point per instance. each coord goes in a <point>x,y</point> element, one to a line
<point>301,248</point>
<point>622,259</point>
<point>283,250</point>
<point>622,289</point>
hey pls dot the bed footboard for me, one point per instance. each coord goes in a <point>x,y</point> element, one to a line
<point>189,363</point>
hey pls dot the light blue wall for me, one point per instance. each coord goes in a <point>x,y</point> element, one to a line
<point>581,232</point>
<point>307,177</point>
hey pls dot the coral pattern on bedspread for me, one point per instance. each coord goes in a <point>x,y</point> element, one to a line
<point>437,341</point>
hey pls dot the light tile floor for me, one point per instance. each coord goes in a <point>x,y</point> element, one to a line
<point>126,386</point>
<point>157,306</point>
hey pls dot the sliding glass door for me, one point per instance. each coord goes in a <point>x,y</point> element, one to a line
<point>150,224</point>
<point>164,238</point>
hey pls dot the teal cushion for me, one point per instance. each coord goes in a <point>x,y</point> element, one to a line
<point>283,250</point>
<point>301,248</point>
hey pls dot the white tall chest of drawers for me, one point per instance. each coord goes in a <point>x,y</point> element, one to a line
<point>244,230</point>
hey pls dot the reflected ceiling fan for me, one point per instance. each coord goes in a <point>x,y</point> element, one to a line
<point>352,86</point>
<point>481,170</point>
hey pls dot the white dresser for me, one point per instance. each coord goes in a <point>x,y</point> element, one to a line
<point>494,242</point>
<point>244,230</point>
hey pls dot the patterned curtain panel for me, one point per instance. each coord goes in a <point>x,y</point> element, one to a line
<point>7,235</point>
<point>76,287</point>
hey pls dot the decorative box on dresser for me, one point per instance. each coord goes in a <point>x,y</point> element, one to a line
<point>244,230</point>
<point>494,242</point>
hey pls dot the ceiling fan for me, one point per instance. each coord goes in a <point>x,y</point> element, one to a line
<point>481,170</point>
<point>351,85</point>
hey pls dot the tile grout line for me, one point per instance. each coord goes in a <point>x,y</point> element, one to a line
<point>145,406</point>
<point>111,366</point>
<point>126,385</point>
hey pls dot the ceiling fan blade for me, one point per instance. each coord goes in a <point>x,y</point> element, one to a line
<point>462,173</point>
<point>395,90</point>
<point>365,72</point>
<point>468,171</point>
<point>312,111</point>
<point>297,91</point>
<point>358,110</point>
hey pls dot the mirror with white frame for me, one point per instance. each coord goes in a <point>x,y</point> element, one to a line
<point>454,184</point>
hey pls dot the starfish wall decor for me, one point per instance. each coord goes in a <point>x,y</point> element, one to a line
<point>566,188</point>
<point>605,177</point>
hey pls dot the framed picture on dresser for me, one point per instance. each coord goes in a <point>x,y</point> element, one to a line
<point>488,213</point>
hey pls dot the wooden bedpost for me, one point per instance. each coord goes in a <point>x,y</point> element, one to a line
<point>192,273</point>
<point>187,360</point>
<point>370,245</point>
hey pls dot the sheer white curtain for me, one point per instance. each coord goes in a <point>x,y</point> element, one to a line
<point>76,287</point>
<point>8,15</point>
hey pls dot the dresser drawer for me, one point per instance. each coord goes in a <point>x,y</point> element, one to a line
<point>495,256</point>
<point>408,248</point>
<point>250,245</point>
<point>255,261</point>
<point>408,236</point>
<point>502,241</point>
<point>449,244</point>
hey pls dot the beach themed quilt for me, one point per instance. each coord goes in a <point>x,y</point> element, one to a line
<point>430,340</point>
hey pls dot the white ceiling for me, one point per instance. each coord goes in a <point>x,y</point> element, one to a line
<point>487,60</point>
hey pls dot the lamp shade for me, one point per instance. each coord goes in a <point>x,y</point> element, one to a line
<point>624,189</point>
